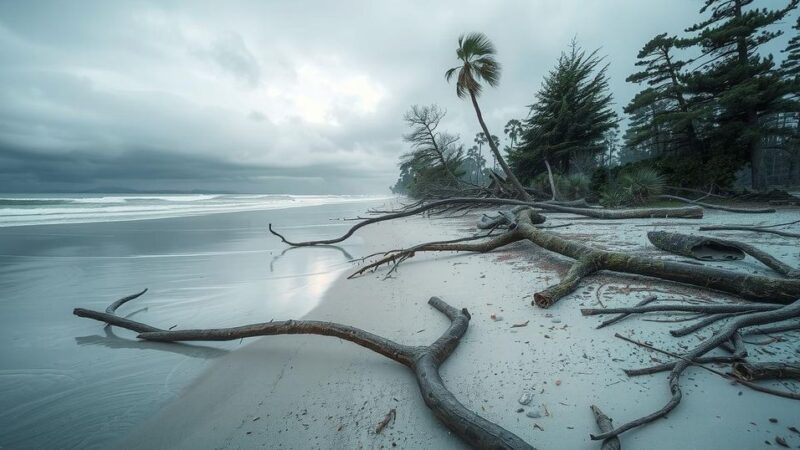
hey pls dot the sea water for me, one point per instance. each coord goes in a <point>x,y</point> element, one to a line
<point>207,260</point>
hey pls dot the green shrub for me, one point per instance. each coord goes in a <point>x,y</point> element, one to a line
<point>642,184</point>
<point>575,186</point>
<point>614,196</point>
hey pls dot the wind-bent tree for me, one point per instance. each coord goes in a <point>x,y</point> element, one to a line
<point>741,85</point>
<point>663,115</point>
<point>570,117</point>
<point>427,141</point>
<point>476,53</point>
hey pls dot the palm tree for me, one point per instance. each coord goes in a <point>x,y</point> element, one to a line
<point>513,130</point>
<point>476,53</point>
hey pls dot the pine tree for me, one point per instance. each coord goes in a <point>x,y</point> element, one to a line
<point>791,65</point>
<point>663,115</point>
<point>570,117</point>
<point>735,81</point>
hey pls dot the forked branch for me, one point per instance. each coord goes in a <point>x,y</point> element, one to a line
<point>424,361</point>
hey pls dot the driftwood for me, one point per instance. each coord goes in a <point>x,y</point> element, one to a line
<point>703,323</point>
<point>697,247</point>
<point>605,425</point>
<point>614,320</point>
<point>766,371</point>
<point>590,260</point>
<point>697,191</point>
<point>719,207</point>
<point>424,361</point>
<point>671,365</point>
<point>711,249</point>
<point>746,228</point>
<point>775,299</point>
<point>757,318</point>
<point>705,309</point>
<point>385,421</point>
<point>610,214</point>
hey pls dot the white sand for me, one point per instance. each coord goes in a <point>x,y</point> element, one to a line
<point>318,392</point>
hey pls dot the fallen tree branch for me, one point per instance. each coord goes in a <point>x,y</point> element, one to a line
<point>385,421</point>
<point>670,365</point>
<point>703,323</point>
<point>705,309</point>
<point>746,228</point>
<point>791,326</point>
<point>712,249</point>
<point>690,212</point>
<point>719,207</point>
<point>752,287</point>
<point>614,320</point>
<point>766,371</point>
<point>697,191</point>
<point>759,318</point>
<point>424,361</point>
<point>398,256</point>
<point>605,425</point>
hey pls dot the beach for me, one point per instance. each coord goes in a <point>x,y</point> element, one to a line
<point>67,382</point>
<point>319,392</point>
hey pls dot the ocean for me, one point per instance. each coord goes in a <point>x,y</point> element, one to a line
<point>207,260</point>
<point>45,209</point>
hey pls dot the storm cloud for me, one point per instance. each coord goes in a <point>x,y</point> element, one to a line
<point>302,97</point>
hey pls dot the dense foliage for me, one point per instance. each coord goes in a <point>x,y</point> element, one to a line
<point>570,116</point>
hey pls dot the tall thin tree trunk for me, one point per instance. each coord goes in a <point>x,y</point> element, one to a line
<point>754,147</point>
<point>552,182</point>
<point>509,174</point>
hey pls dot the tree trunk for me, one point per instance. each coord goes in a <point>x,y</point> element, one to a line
<point>552,182</point>
<point>424,361</point>
<point>509,174</point>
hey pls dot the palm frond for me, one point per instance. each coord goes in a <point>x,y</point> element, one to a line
<point>449,74</point>
<point>476,52</point>
<point>477,45</point>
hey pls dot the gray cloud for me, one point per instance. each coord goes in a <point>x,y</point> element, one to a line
<point>271,97</point>
<point>230,54</point>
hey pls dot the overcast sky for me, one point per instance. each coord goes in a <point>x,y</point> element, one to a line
<point>283,97</point>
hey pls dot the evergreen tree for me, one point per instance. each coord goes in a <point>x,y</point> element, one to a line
<point>662,114</point>
<point>791,65</point>
<point>571,114</point>
<point>735,81</point>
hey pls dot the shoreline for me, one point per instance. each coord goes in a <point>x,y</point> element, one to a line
<point>318,392</point>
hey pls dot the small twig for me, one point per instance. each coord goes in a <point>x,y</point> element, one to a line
<point>382,424</point>
<point>614,320</point>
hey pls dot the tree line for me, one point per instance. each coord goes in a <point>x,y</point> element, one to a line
<point>711,104</point>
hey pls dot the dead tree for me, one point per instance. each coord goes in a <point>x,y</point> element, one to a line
<point>424,361</point>
<point>589,260</point>
<point>719,207</point>
<point>691,213</point>
<point>774,300</point>
<point>712,249</point>
<point>695,356</point>
<point>753,229</point>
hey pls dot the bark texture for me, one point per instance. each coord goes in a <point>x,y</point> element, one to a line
<point>424,361</point>
<point>711,249</point>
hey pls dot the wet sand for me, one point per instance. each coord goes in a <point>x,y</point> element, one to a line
<point>318,392</point>
<point>67,382</point>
